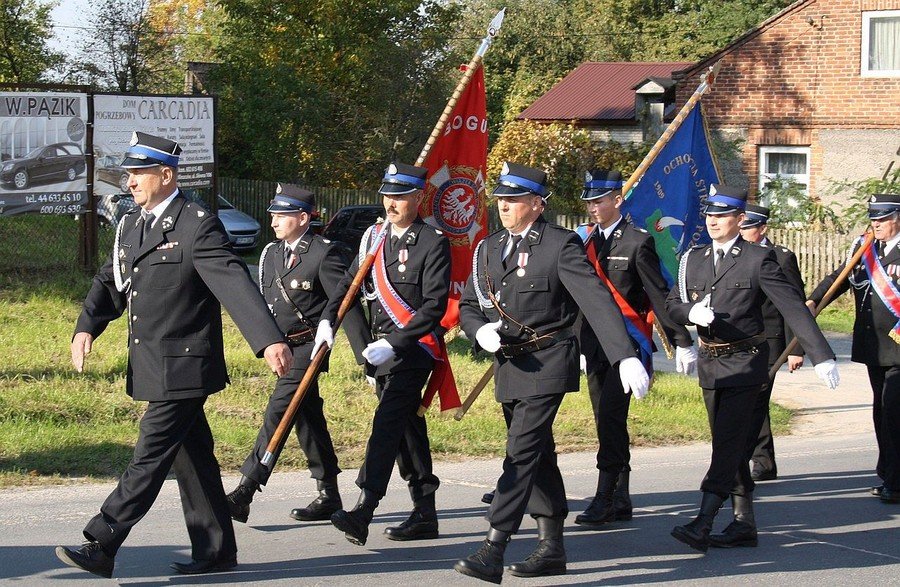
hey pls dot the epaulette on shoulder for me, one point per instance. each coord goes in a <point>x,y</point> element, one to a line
<point>784,249</point>
<point>639,229</point>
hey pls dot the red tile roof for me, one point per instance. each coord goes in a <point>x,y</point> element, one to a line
<point>597,91</point>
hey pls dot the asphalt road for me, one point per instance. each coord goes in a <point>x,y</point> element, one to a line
<point>818,524</point>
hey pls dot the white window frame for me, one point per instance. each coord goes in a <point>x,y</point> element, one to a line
<point>864,46</point>
<point>764,178</point>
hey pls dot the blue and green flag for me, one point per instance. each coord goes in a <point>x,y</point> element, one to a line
<point>669,196</point>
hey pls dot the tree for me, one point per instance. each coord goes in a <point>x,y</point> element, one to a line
<point>327,92</point>
<point>25,26</point>
<point>123,52</point>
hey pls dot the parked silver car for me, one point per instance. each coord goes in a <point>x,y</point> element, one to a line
<point>243,231</point>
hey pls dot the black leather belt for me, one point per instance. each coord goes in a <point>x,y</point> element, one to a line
<point>298,337</point>
<point>720,349</point>
<point>536,343</point>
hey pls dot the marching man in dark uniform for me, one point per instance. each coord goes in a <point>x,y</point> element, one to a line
<point>171,267</point>
<point>721,288</point>
<point>876,333</point>
<point>407,290</point>
<point>624,257</point>
<point>528,283</point>
<point>297,273</point>
<point>753,229</point>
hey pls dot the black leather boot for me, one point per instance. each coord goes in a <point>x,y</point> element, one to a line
<point>601,511</point>
<point>487,562</point>
<point>696,533</point>
<point>355,523</point>
<point>549,558</point>
<point>422,523</point>
<point>321,508</point>
<point>742,531</point>
<point>622,497</point>
<point>239,500</point>
<point>90,557</point>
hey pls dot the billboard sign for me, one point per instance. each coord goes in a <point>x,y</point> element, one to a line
<point>189,120</point>
<point>42,153</point>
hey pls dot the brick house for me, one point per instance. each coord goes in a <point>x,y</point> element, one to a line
<point>813,92</point>
<point>622,102</point>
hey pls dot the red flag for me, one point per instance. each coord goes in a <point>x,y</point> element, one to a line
<point>455,194</point>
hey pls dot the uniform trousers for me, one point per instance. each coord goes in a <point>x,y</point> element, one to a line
<point>885,382</point>
<point>173,435</point>
<point>531,480</point>
<point>730,412</point>
<point>310,426</point>
<point>399,433</point>
<point>610,404</point>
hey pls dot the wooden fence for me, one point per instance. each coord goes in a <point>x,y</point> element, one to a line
<point>818,253</point>
<point>252,197</point>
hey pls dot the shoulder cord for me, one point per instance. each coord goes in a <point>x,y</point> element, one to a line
<point>121,285</point>
<point>262,263</point>
<point>483,299</point>
<point>682,276</point>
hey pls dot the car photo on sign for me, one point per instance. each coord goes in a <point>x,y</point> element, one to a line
<point>108,169</point>
<point>57,163</point>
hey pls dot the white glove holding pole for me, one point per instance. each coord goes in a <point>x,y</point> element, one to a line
<point>701,314</point>
<point>634,377</point>
<point>828,372</point>
<point>582,363</point>
<point>487,337</point>
<point>324,335</point>
<point>685,359</point>
<point>379,352</point>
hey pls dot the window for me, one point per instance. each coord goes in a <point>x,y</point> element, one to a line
<point>880,43</point>
<point>786,163</point>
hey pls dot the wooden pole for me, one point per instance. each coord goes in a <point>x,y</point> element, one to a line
<point>287,420</point>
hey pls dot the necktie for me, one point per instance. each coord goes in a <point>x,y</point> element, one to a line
<point>291,260</point>
<point>146,223</point>
<point>394,240</point>
<point>720,255</point>
<point>881,247</point>
<point>601,239</point>
<point>516,240</point>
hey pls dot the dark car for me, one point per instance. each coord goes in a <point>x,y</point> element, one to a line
<point>109,170</point>
<point>350,222</point>
<point>56,162</point>
<point>243,231</point>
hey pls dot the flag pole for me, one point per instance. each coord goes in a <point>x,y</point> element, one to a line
<point>474,64</point>
<point>650,157</point>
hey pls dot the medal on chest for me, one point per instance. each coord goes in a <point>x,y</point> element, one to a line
<point>403,257</point>
<point>522,263</point>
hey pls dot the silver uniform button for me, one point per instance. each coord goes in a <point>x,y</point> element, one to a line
<point>136,269</point>
<point>187,349</point>
<point>134,318</point>
<point>137,341</point>
<point>163,257</point>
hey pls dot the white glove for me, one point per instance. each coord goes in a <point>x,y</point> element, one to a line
<point>828,372</point>
<point>685,359</point>
<point>701,314</point>
<point>379,352</point>
<point>634,377</point>
<point>324,334</point>
<point>582,363</point>
<point>487,337</point>
<point>371,380</point>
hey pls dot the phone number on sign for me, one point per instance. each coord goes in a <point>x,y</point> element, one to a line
<point>70,209</point>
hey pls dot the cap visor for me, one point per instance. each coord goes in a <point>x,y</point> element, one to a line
<point>134,163</point>
<point>595,193</point>
<point>506,190</point>
<point>397,189</point>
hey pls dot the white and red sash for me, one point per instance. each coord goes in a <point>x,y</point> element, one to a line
<point>401,313</point>
<point>883,286</point>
